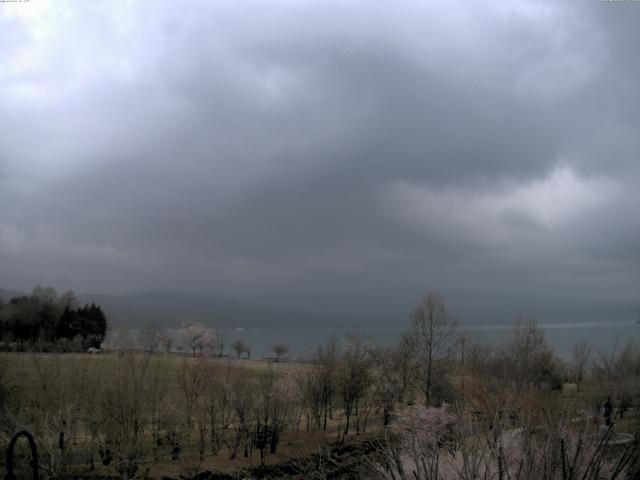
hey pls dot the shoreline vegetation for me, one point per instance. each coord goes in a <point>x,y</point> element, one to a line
<point>431,406</point>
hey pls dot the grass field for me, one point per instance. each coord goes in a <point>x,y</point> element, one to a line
<point>66,391</point>
<point>26,368</point>
<point>177,415</point>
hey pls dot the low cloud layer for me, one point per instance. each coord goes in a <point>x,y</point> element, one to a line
<point>341,157</point>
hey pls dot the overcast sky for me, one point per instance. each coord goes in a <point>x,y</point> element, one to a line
<point>332,155</point>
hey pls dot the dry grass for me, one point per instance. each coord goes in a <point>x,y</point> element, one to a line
<point>27,371</point>
<point>22,368</point>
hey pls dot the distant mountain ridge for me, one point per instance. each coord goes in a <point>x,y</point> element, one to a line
<point>6,295</point>
<point>171,309</point>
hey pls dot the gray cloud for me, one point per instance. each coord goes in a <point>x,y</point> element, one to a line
<point>336,156</point>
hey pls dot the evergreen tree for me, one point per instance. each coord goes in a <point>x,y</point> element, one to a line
<point>45,316</point>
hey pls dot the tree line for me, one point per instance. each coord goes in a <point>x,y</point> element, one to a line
<point>45,320</point>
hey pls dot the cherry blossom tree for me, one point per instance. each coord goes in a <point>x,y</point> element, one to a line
<point>197,337</point>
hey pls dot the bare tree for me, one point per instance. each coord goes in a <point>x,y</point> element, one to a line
<point>328,360</point>
<point>159,405</point>
<point>581,353</point>
<point>432,332</point>
<point>387,379</point>
<point>354,378</point>
<point>406,367</point>
<point>239,347</point>
<point>10,396</point>
<point>52,418</point>
<point>617,376</point>
<point>120,340</point>
<point>122,419</point>
<point>218,408</point>
<point>68,300</point>
<point>560,447</point>
<point>319,385</point>
<point>149,338</point>
<point>192,376</point>
<point>166,341</point>
<point>279,350</point>
<point>277,394</point>
<point>221,342</point>
<point>529,357</point>
<point>242,393</point>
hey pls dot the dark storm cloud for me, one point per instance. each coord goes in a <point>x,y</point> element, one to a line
<point>306,152</point>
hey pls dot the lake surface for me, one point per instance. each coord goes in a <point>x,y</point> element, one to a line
<point>603,337</point>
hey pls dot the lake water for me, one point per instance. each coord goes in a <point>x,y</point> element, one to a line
<point>603,337</point>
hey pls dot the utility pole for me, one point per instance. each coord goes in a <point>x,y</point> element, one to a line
<point>462,362</point>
